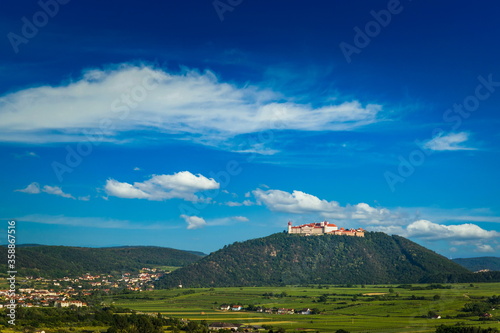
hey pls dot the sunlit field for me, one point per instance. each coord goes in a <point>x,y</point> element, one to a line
<point>381,308</point>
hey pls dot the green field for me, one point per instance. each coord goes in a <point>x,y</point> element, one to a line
<point>368,309</point>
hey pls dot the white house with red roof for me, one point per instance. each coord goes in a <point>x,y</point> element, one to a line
<point>321,228</point>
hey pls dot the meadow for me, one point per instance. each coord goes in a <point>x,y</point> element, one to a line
<point>380,308</point>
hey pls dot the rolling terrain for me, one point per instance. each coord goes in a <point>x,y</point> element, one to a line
<point>283,259</point>
<point>60,261</point>
<point>479,263</point>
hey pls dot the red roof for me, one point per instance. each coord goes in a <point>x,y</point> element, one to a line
<point>323,224</point>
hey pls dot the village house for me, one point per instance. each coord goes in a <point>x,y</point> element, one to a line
<point>306,311</point>
<point>65,304</point>
<point>223,326</point>
<point>236,308</point>
<point>286,311</point>
<point>322,228</point>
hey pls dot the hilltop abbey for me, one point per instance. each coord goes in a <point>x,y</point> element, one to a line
<point>323,228</point>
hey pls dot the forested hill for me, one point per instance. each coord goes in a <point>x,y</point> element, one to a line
<point>479,263</point>
<point>60,261</point>
<point>282,259</point>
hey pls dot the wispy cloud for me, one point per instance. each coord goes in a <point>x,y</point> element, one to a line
<point>147,98</point>
<point>237,204</point>
<point>34,188</point>
<point>91,222</point>
<point>56,190</point>
<point>446,215</point>
<point>450,141</point>
<point>484,248</point>
<point>27,154</point>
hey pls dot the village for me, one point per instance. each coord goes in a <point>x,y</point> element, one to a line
<point>274,310</point>
<point>71,292</point>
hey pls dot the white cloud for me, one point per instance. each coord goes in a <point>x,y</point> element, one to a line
<point>390,230</point>
<point>484,248</point>
<point>429,230</point>
<point>451,141</point>
<point>33,188</point>
<point>137,169</point>
<point>182,185</point>
<point>296,202</point>
<point>227,220</point>
<point>131,97</point>
<point>194,222</point>
<point>299,202</point>
<point>363,211</point>
<point>56,190</point>
<point>237,204</point>
<point>124,190</point>
<point>248,147</point>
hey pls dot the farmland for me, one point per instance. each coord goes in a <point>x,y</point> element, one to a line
<point>380,308</point>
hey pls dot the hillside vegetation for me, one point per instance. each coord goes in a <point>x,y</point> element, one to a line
<point>479,263</point>
<point>283,259</point>
<point>60,261</point>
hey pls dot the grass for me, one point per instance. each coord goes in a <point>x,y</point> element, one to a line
<point>352,309</point>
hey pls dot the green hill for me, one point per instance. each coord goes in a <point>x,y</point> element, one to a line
<point>479,263</point>
<point>282,259</point>
<point>60,261</point>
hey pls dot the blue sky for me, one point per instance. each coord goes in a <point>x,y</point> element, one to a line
<point>195,124</point>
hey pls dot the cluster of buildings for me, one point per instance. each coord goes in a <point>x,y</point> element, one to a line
<point>65,292</point>
<point>323,228</point>
<point>226,307</point>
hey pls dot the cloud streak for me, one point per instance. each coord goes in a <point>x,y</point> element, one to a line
<point>196,222</point>
<point>34,188</point>
<point>90,222</point>
<point>147,98</point>
<point>449,142</point>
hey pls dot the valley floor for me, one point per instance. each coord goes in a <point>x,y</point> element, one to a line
<point>380,308</point>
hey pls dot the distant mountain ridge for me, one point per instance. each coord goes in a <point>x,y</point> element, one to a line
<point>282,259</point>
<point>59,261</point>
<point>479,263</point>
